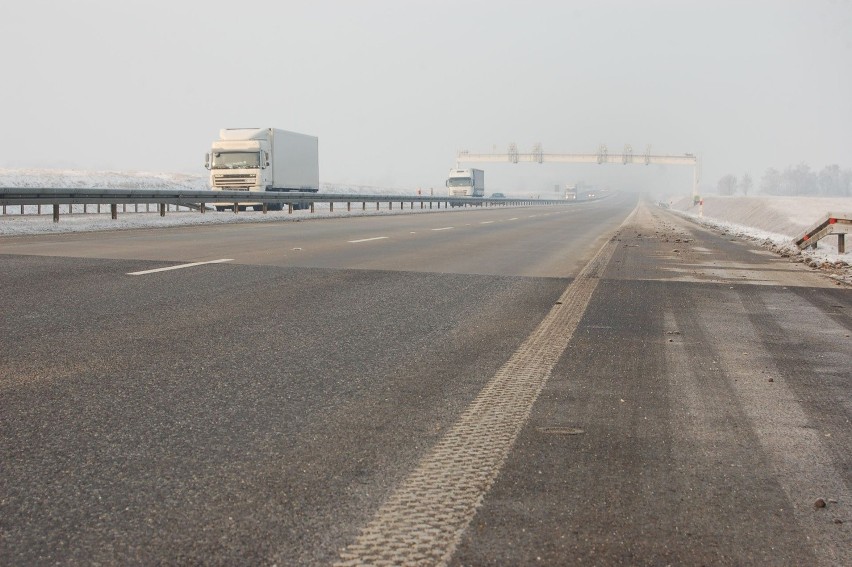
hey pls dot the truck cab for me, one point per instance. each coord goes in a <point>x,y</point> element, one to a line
<point>466,183</point>
<point>263,159</point>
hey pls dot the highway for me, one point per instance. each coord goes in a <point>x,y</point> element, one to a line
<point>602,383</point>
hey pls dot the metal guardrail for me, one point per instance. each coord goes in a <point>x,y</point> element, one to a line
<point>236,200</point>
<point>833,223</point>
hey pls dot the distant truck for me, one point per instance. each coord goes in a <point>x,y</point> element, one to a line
<point>263,159</point>
<point>466,183</point>
<point>571,192</point>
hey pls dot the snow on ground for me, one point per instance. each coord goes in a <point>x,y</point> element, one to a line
<point>774,222</point>
<point>88,219</point>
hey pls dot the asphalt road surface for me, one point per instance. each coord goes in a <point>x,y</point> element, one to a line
<point>600,383</point>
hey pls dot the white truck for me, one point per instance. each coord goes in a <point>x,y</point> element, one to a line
<point>466,183</point>
<point>571,192</point>
<point>263,159</point>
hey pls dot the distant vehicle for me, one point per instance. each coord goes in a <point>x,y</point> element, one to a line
<point>498,196</point>
<point>263,159</point>
<point>466,183</point>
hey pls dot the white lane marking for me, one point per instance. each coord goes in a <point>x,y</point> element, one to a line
<point>486,222</point>
<point>445,228</point>
<point>179,266</point>
<point>516,218</point>
<point>424,518</point>
<point>367,239</point>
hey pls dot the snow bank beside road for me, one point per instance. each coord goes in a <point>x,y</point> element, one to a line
<point>789,216</point>
<point>775,222</point>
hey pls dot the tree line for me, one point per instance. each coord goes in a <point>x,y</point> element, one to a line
<point>832,181</point>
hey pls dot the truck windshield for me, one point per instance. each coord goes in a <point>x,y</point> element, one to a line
<point>235,160</point>
<point>459,182</point>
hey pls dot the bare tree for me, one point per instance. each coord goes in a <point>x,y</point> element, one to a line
<point>846,183</point>
<point>799,180</point>
<point>830,180</point>
<point>727,185</point>
<point>746,184</point>
<point>771,182</point>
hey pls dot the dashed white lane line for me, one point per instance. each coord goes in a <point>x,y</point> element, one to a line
<point>516,218</point>
<point>486,222</point>
<point>367,239</point>
<point>444,228</point>
<point>179,266</point>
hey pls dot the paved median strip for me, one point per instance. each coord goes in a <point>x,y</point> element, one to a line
<point>179,266</point>
<point>424,519</point>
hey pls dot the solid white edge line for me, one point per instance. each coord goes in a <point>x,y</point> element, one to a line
<point>445,228</point>
<point>367,239</point>
<point>179,266</point>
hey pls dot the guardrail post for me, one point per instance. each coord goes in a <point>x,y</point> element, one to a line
<point>236,208</point>
<point>377,205</point>
<point>55,212</point>
<point>113,210</point>
<point>312,206</point>
<point>331,206</point>
<point>348,206</point>
<point>364,206</point>
<point>265,205</point>
<point>841,243</point>
<point>203,208</point>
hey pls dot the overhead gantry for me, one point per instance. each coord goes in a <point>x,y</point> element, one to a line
<point>601,157</point>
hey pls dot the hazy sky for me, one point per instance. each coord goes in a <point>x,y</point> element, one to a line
<point>394,88</point>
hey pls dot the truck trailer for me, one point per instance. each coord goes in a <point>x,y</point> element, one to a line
<point>263,159</point>
<point>466,183</point>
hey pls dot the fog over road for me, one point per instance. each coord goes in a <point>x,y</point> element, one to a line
<point>601,382</point>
